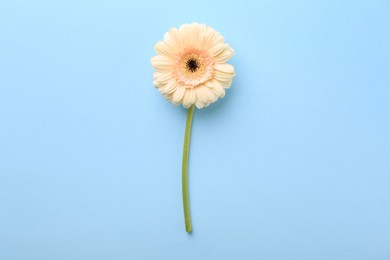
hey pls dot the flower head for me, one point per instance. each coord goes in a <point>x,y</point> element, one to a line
<point>190,67</point>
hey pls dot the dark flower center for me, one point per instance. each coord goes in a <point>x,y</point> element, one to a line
<point>192,65</point>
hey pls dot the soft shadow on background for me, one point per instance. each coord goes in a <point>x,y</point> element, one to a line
<point>293,163</point>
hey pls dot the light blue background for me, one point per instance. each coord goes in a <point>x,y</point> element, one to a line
<point>294,163</point>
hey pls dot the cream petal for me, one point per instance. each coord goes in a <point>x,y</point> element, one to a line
<point>168,96</point>
<point>170,87</point>
<point>186,32</point>
<point>224,56</point>
<point>178,95</point>
<point>219,91</point>
<point>161,63</point>
<point>162,77</point>
<point>163,48</point>
<point>202,96</point>
<point>202,34</point>
<point>224,77</point>
<point>209,84</point>
<point>214,97</point>
<point>157,84</point>
<point>199,104</point>
<point>189,98</point>
<point>225,68</point>
<point>211,38</point>
<point>207,95</point>
<point>176,38</point>
<point>194,36</point>
<point>171,42</point>
<point>214,83</point>
<point>218,49</point>
<point>226,83</point>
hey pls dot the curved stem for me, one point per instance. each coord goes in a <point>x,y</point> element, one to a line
<point>186,150</point>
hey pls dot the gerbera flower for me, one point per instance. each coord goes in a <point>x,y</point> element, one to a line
<point>191,66</point>
<point>191,69</point>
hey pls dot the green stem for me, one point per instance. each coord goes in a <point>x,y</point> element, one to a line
<point>186,150</point>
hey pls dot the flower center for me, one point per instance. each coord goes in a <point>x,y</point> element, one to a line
<point>192,65</point>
